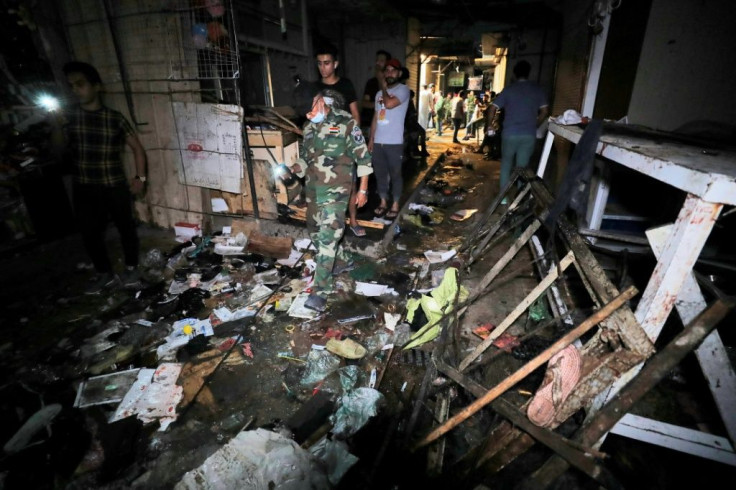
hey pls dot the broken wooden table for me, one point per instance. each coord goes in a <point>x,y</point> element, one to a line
<point>708,177</point>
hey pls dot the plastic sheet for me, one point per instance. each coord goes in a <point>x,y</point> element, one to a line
<point>319,365</point>
<point>356,408</point>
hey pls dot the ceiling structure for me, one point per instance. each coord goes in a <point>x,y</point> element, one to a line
<point>450,28</point>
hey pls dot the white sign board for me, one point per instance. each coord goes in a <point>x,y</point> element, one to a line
<point>210,144</point>
<point>475,83</point>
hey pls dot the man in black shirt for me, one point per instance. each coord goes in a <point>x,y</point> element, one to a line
<point>371,89</point>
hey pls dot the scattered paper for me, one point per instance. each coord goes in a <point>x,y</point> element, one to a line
<point>298,310</point>
<point>370,289</point>
<point>304,244</point>
<point>107,388</point>
<point>463,214</point>
<point>292,260</point>
<point>219,205</point>
<point>259,292</point>
<point>421,208</point>
<point>223,313</point>
<point>391,320</point>
<point>153,396</point>
<point>439,256</point>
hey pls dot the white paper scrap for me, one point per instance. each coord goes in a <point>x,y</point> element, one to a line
<point>223,313</point>
<point>298,310</point>
<point>304,244</point>
<point>391,320</point>
<point>154,396</point>
<point>219,205</point>
<point>294,257</point>
<point>439,256</point>
<point>370,289</point>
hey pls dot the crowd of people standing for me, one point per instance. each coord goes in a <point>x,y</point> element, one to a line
<point>346,140</point>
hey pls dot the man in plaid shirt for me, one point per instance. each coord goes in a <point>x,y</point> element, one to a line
<point>95,136</point>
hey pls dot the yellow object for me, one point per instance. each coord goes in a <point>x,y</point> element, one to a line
<point>347,348</point>
<point>187,330</point>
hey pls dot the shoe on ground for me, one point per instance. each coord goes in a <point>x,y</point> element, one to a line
<point>456,141</point>
<point>102,282</point>
<point>131,277</point>
<point>347,348</point>
<point>316,303</point>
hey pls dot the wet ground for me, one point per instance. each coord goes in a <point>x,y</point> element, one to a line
<point>257,380</point>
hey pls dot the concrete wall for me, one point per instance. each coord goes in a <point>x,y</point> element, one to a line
<point>539,48</point>
<point>686,70</point>
<point>361,43</point>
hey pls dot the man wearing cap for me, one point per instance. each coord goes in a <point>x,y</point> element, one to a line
<point>387,137</point>
<point>333,143</point>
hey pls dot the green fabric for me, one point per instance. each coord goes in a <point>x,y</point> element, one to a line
<point>440,301</point>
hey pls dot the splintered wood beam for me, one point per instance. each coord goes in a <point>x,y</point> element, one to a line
<point>574,453</point>
<point>652,373</point>
<point>551,277</point>
<point>545,356</point>
<point>510,254</point>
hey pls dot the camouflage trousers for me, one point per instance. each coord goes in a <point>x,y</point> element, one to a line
<point>326,225</point>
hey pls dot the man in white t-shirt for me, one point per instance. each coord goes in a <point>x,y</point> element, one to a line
<point>387,137</point>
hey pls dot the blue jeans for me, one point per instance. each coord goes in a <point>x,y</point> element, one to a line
<point>516,150</point>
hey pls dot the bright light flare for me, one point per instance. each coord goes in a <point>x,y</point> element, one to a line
<point>48,102</point>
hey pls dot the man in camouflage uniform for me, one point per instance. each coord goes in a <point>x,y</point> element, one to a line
<point>332,142</point>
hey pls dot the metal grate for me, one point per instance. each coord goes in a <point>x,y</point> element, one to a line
<point>209,33</point>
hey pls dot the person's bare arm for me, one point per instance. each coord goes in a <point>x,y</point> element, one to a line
<point>543,113</point>
<point>139,156</point>
<point>354,111</point>
<point>390,101</point>
<point>373,132</point>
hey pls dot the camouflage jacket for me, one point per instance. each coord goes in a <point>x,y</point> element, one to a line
<point>329,150</point>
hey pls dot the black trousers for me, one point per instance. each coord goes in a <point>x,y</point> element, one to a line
<point>456,122</point>
<point>94,206</point>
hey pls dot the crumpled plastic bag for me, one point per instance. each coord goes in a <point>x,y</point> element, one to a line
<point>320,364</point>
<point>356,408</point>
<point>335,457</point>
<point>570,116</point>
<point>440,301</point>
<point>257,459</point>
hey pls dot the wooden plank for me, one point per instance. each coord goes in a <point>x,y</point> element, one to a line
<point>436,453</point>
<point>300,214</point>
<point>711,354</point>
<point>520,374</point>
<point>681,439</point>
<point>477,248</point>
<point>623,320</point>
<point>510,254</point>
<point>655,369</point>
<point>573,453</point>
<point>711,177</point>
<point>551,276</point>
<point>691,230</point>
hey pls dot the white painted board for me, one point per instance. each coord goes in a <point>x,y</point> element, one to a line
<point>210,145</point>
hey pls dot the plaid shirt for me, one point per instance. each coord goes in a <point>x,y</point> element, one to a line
<point>96,141</point>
